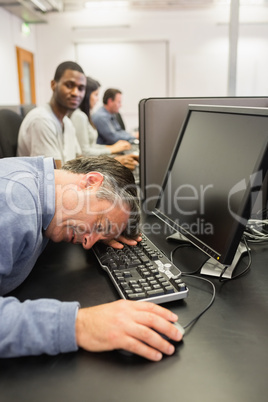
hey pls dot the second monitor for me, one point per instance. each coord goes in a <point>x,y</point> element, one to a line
<point>213,178</point>
<point>160,122</point>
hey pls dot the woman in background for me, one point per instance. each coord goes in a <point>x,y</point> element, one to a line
<point>86,132</point>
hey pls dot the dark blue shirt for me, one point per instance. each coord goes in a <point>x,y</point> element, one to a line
<point>109,130</point>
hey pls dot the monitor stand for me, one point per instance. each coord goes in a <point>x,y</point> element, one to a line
<point>214,268</point>
<point>211,266</point>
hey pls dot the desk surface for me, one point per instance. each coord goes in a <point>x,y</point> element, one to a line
<point>223,356</point>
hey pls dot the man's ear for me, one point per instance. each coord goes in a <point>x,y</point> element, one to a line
<point>90,180</point>
<point>53,84</point>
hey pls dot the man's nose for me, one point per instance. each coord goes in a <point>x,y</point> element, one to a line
<point>90,239</point>
<point>75,91</point>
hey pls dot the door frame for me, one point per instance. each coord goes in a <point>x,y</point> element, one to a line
<point>24,56</point>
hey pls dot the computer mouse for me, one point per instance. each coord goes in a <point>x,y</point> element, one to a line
<point>177,325</point>
<point>180,328</point>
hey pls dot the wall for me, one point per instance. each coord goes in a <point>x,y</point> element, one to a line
<point>198,46</point>
<point>10,37</point>
<point>192,62</point>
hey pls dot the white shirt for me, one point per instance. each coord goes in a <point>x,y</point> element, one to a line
<point>87,135</point>
<point>41,133</point>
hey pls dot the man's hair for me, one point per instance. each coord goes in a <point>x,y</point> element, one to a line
<point>118,186</point>
<point>66,65</point>
<point>110,93</point>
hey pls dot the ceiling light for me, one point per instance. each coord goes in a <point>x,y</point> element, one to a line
<point>39,5</point>
<point>48,5</point>
<point>103,3</point>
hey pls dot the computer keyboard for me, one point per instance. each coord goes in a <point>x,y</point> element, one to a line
<point>141,272</point>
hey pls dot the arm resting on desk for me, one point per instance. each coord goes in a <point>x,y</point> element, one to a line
<point>36,327</point>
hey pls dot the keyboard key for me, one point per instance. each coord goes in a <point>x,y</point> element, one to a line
<point>136,296</point>
<point>142,272</point>
<point>156,292</point>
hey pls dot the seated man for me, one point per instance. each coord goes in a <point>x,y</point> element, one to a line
<point>46,130</point>
<point>90,199</point>
<point>106,121</point>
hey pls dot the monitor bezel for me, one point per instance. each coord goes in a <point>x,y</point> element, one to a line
<point>238,228</point>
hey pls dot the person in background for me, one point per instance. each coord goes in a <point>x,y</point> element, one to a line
<point>47,130</point>
<point>88,200</point>
<point>87,133</point>
<point>106,121</point>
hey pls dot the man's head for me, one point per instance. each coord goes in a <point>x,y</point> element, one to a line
<point>112,100</point>
<point>97,201</point>
<point>68,86</point>
<point>66,65</point>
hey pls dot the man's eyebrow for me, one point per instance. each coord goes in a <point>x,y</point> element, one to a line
<point>73,82</point>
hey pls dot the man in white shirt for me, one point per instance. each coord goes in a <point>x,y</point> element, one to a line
<point>47,130</point>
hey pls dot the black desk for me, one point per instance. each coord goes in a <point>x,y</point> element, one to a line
<point>223,357</point>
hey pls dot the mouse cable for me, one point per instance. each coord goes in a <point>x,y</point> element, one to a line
<point>191,275</point>
<point>193,321</point>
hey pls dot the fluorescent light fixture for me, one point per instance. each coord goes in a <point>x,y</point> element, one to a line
<point>103,3</point>
<point>39,5</point>
<point>48,5</point>
<point>91,27</point>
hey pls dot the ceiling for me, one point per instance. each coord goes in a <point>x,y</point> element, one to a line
<point>34,11</point>
<point>142,4</point>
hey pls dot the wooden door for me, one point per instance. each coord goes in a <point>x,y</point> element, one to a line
<point>25,62</point>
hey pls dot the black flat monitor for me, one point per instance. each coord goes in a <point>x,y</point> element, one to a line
<point>214,175</point>
<point>160,121</point>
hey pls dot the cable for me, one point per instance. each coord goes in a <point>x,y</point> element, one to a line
<point>181,246</point>
<point>209,304</point>
<point>191,275</point>
<point>221,279</point>
<point>257,230</point>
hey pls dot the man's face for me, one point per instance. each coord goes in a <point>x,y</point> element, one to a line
<point>69,91</point>
<point>86,220</point>
<point>116,103</point>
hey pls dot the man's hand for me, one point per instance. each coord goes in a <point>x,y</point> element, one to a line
<point>128,325</point>
<point>117,243</point>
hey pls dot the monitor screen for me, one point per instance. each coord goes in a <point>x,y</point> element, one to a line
<point>160,121</point>
<point>214,175</point>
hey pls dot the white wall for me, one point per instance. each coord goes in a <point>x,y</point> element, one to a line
<point>132,66</point>
<point>10,37</point>
<point>198,47</point>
